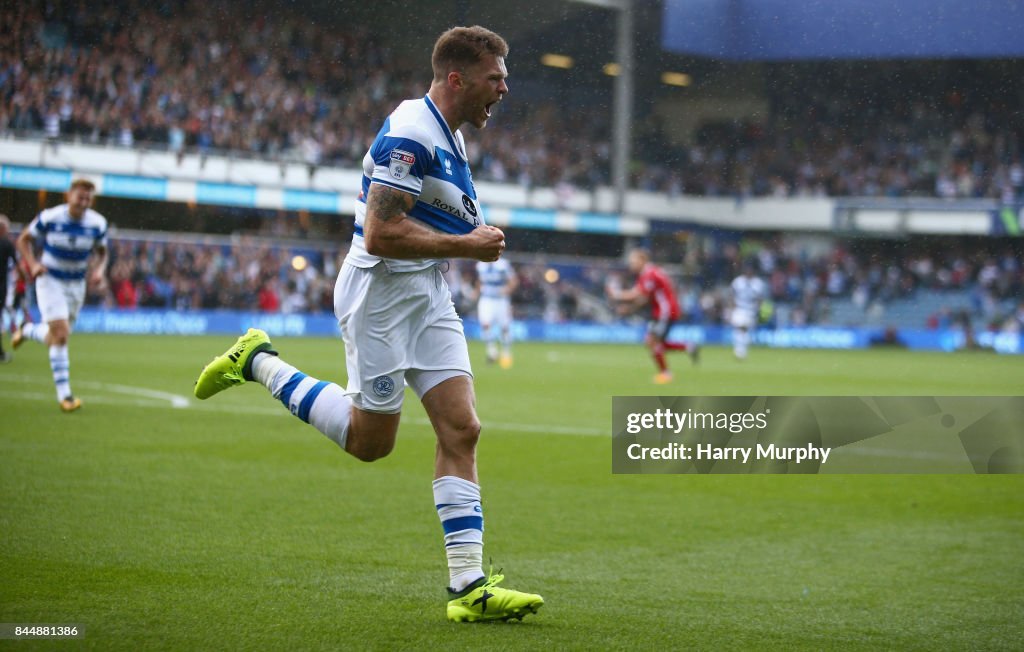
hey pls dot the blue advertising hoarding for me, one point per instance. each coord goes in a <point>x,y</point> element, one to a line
<point>169,322</point>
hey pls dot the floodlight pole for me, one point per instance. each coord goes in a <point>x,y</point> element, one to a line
<point>622,112</point>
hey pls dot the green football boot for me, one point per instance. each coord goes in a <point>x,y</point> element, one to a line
<point>485,600</point>
<point>234,366</point>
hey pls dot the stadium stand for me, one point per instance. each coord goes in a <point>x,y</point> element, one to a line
<point>880,285</point>
<point>286,91</point>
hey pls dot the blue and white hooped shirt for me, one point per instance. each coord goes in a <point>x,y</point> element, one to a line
<point>67,242</point>
<point>417,153</point>
<point>494,278</point>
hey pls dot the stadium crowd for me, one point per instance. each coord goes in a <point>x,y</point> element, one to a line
<point>181,75</point>
<point>869,275</point>
<point>249,275</point>
<point>942,129</point>
<point>253,273</point>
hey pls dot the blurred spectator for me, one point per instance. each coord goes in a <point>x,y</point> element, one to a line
<point>268,299</point>
<point>122,287</point>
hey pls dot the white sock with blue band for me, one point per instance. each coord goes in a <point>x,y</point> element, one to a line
<point>36,332</point>
<point>60,365</point>
<point>319,403</point>
<point>458,506</point>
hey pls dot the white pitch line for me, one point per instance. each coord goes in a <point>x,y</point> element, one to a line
<point>23,378</point>
<point>516,427</point>
<point>175,400</point>
<point>540,428</point>
<point>106,400</point>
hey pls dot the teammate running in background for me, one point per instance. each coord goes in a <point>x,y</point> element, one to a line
<point>495,283</point>
<point>653,288</point>
<point>8,261</point>
<point>418,207</point>
<point>747,292</point>
<point>69,234</point>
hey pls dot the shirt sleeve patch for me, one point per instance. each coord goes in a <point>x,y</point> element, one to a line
<point>400,163</point>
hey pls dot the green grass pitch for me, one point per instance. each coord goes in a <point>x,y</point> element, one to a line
<point>160,522</point>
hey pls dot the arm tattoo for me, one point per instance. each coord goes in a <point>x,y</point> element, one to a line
<point>385,203</point>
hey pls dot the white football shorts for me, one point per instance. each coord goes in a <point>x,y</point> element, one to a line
<point>494,311</point>
<point>59,299</point>
<point>743,318</point>
<point>399,328</point>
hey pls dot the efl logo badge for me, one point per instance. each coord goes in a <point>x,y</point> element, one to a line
<point>401,163</point>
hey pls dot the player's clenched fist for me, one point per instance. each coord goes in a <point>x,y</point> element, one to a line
<point>485,243</point>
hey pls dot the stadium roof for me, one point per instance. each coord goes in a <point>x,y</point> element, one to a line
<point>514,20</point>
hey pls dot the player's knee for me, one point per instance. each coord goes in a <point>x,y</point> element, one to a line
<point>370,451</point>
<point>469,432</point>
<point>58,334</point>
<point>462,436</point>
